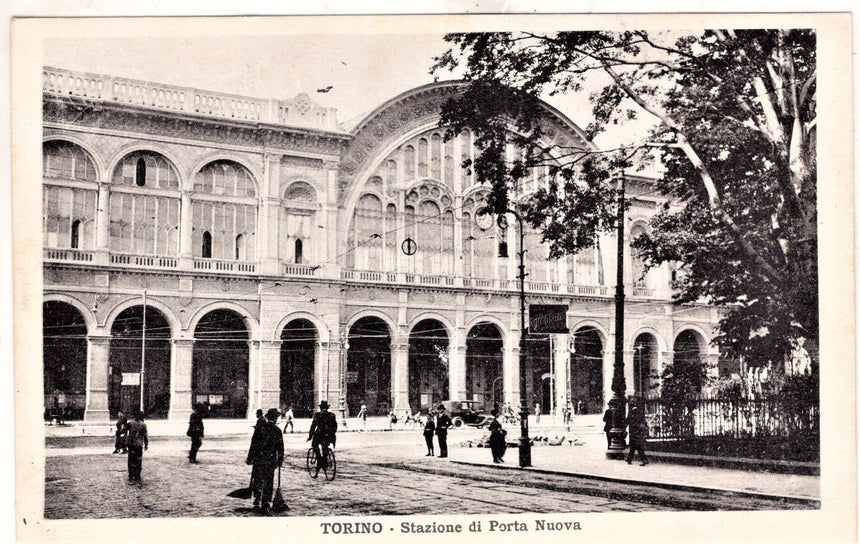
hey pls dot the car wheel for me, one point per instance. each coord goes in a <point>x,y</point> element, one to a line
<point>458,422</point>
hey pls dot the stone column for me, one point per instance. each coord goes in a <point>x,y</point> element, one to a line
<point>267,226</point>
<point>400,377</point>
<point>457,370</point>
<point>181,367</point>
<point>102,241</point>
<point>98,376</point>
<point>186,225</point>
<point>269,359</point>
<point>629,377</point>
<point>511,370</point>
<point>326,363</point>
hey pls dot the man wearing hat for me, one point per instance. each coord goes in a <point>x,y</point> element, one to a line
<point>266,454</point>
<point>443,421</point>
<point>323,431</point>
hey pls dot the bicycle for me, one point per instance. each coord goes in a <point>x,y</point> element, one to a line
<point>329,466</point>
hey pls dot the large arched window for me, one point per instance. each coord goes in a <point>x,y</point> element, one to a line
<point>365,235</point>
<point>225,207</point>
<point>299,227</point>
<point>144,205</point>
<point>70,196</point>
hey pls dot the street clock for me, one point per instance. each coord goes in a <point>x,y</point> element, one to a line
<point>483,219</point>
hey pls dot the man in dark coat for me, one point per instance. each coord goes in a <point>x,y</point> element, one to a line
<point>138,440</point>
<point>607,423</point>
<point>638,434</point>
<point>195,432</point>
<point>266,454</point>
<point>443,422</point>
<point>323,431</point>
<point>121,433</point>
<point>429,429</point>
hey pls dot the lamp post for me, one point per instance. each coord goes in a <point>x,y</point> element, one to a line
<point>525,443</point>
<point>617,434</point>
<point>342,400</point>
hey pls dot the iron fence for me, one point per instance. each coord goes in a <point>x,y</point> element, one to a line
<point>777,417</point>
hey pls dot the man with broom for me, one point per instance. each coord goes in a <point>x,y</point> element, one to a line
<point>266,454</point>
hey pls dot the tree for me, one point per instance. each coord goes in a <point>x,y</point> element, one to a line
<point>734,131</point>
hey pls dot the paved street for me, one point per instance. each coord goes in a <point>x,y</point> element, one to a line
<point>378,473</point>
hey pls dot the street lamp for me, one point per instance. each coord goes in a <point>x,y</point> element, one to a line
<point>617,434</point>
<point>525,444</point>
<point>343,362</point>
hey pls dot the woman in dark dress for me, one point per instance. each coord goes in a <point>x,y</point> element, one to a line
<point>497,438</point>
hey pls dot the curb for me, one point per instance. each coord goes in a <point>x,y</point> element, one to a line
<point>808,501</point>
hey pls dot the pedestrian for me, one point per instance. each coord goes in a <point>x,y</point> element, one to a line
<point>138,440</point>
<point>565,415</point>
<point>121,434</point>
<point>429,430</point>
<point>195,432</point>
<point>638,434</point>
<point>497,438</point>
<point>537,412</point>
<point>443,422</point>
<point>362,415</point>
<point>260,419</point>
<point>607,422</point>
<point>288,418</point>
<point>265,455</point>
<point>392,420</point>
<point>581,407</point>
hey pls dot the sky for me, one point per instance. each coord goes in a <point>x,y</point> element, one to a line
<point>363,70</point>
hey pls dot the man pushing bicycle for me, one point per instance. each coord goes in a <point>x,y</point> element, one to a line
<point>323,432</point>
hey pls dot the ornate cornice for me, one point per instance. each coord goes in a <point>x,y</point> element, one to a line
<point>88,113</point>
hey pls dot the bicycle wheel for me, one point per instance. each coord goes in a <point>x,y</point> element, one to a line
<point>330,467</point>
<point>313,469</point>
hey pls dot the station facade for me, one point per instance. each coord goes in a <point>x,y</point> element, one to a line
<point>248,253</point>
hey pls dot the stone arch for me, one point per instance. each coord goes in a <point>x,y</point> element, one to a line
<point>429,362</point>
<point>486,318</point>
<point>250,321</point>
<point>140,344</point>
<point>369,370</point>
<point>153,147</point>
<point>88,315</point>
<point>202,162</point>
<point>485,364</point>
<point>449,326</point>
<point>221,361</point>
<point>299,339</point>
<point>321,326</point>
<point>296,183</point>
<point>702,337</point>
<point>97,158</point>
<point>64,359</point>
<point>120,307</point>
<point>586,366</point>
<point>661,341</point>
<point>391,322</point>
<point>604,335</point>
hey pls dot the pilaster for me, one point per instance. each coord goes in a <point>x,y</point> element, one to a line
<point>98,350</point>
<point>181,366</point>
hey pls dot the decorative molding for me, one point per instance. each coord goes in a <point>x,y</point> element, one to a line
<point>73,111</point>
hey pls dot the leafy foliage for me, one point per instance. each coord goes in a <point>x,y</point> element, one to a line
<point>734,131</point>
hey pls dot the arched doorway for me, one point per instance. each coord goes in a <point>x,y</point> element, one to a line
<point>64,353</point>
<point>484,351</point>
<point>140,340</point>
<point>219,379</point>
<point>687,361</point>
<point>586,370</point>
<point>428,365</point>
<point>298,353</point>
<point>368,367</point>
<point>539,382</point>
<point>644,364</point>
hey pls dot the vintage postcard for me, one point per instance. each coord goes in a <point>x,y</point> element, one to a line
<point>434,278</point>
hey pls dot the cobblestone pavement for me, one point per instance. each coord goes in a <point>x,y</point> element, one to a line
<point>378,473</point>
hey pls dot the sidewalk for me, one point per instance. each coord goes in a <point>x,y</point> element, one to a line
<point>587,458</point>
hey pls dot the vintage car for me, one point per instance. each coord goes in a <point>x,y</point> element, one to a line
<point>466,412</point>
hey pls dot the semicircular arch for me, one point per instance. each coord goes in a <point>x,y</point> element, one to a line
<point>97,158</point>
<point>89,319</point>
<point>250,320</point>
<point>319,325</point>
<point>131,302</point>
